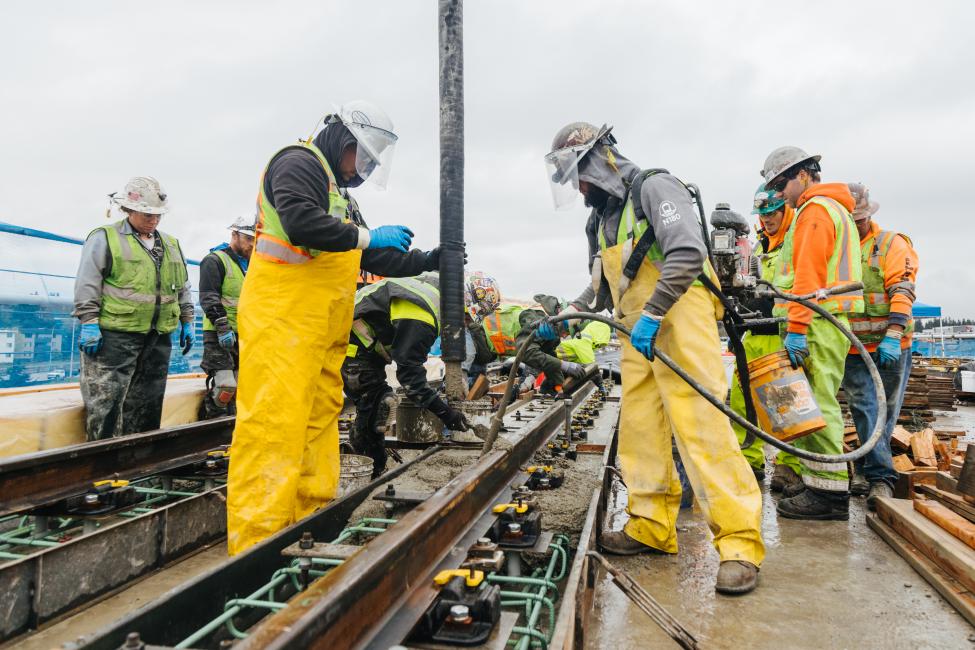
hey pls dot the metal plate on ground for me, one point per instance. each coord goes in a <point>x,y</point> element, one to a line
<point>541,544</point>
<point>322,550</point>
<point>497,641</point>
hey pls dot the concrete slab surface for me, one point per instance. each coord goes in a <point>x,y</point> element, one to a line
<point>822,585</point>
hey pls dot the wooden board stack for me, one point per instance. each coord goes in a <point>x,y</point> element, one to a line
<point>934,528</point>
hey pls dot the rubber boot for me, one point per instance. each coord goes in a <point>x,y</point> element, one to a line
<point>816,505</point>
<point>878,489</point>
<point>736,577</point>
<point>782,477</point>
<point>859,486</point>
<point>759,473</point>
<point>619,543</point>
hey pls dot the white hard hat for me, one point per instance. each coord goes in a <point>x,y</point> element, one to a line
<point>375,139</point>
<point>782,159</point>
<point>244,225</point>
<point>142,194</point>
<point>864,206</point>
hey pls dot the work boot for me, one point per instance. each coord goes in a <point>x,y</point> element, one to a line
<point>759,473</point>
<point>878,489</point>
<point>859,486</point>
<point>793,489</point>
<point>619,543</point>
<point>736,577</point>
<point>816,505</point>
<point>782,477</point>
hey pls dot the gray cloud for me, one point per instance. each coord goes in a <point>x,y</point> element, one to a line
<point>201,94</point>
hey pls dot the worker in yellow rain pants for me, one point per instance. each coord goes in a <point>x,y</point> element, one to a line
<point>294,317</point>
<point>662,303</point>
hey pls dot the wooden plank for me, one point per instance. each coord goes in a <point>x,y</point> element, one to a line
<point>902,463</point>
<point>943,455</point>
<point>953,591</point>
<point>954,502</point>
<point>947,482</point>
<point>922,447</point>
<point>479,389</point>
<point>954,557</point>
<point>949,520</point>
<point>900,439</point>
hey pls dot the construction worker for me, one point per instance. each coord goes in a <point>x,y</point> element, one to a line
<point>890,266</point>
<point>295,316</point>
<point>395,320</point>
<point>775,217</point>
<point>664,306</point>
<point>502,334</point>
<point>222,274</point>
<point>130,294</point>
<point>819,252</point>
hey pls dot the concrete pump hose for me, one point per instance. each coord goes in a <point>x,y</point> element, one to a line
<point>719,404</point>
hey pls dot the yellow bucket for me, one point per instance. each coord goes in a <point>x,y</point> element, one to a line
<point>783,397</point>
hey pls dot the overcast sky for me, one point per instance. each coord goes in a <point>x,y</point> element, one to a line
<point>201,94</point>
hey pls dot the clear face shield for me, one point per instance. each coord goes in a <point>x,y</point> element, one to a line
<point>562,169</point>
<point>374,152</point>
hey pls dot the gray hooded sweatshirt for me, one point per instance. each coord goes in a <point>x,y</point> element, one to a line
<point>679,234</point>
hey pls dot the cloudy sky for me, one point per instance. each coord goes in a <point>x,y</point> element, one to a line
<point>201,94</point>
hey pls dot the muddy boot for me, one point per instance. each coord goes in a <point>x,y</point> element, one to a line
<point>878,489</point>
<point>782,477</point>
<point>619,543</point>
<point>859,486</point>
<point>736,577</point>
<point>816,505</point>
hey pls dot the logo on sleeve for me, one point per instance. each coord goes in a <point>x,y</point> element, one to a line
<point>668,212</point>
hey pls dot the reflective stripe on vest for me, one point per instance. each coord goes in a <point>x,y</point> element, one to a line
<point>233,281</point>
<point>872,325</point>
<point>135,285</point>
<point>502,328</point>
<point>842,267</point>
<point>272,242</point>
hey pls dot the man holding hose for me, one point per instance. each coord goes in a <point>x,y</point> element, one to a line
<point>820,251</point>
<point>665,305</point>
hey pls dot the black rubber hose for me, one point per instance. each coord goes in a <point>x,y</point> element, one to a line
<point>451,29</point>
<point>860,452</point>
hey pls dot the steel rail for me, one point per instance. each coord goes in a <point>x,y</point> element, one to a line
<point>389,582</point>
<point>37,479</point>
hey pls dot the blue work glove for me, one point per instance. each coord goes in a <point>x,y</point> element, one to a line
<point>225,333</point>
<point>186,336</point>
<point>91,338</point>
<point>797,347</point>
<point>548,332</point>
<point>889,352</point>
<point>398,237</point>
<point>644,334</point>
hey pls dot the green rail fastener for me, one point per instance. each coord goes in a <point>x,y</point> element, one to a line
<point>167,493</point>
<point>11,556</point>
<point>228,614</point>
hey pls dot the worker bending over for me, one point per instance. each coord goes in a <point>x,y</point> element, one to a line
<point>820,251</point>
<point>664,306</point>
<point>295,317</point>
<point>395,320</point>
<point>889,265</point>
<point>130,294</point>
<point>222,274</point>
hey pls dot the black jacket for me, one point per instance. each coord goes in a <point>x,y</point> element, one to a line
<point>212,272</point>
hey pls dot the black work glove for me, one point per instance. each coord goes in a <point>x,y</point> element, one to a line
<point>455,420</point>
<point>432,262</point>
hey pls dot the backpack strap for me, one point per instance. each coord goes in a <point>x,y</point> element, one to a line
<point>648,239</point>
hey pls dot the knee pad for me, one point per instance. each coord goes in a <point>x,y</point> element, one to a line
<point>224,387</point>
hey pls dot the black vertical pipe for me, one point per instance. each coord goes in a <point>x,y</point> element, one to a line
<point>451,28</point>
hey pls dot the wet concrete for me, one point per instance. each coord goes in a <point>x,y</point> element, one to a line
<point>121,604</point>
<point>822,585</point>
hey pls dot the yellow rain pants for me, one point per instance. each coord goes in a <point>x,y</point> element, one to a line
<point>294,322</point>
<point>657,404</point>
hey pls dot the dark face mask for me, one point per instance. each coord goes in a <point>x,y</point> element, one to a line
<point>596,197</point>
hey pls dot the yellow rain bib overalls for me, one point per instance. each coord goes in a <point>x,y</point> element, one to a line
<point>294,317</point>
<point>657,404</point>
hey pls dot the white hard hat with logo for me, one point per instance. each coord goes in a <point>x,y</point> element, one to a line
<point>244,225</point>
<point>142,194</point>
<point>782,159</point>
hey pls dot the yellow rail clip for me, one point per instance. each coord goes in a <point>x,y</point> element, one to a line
<point>501,507</point>
<point>111,483</point>
<point>473,578</point>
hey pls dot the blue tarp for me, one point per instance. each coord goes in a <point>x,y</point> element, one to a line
<point>920,310</point>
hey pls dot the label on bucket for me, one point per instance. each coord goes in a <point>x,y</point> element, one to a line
<point>786,401</point>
